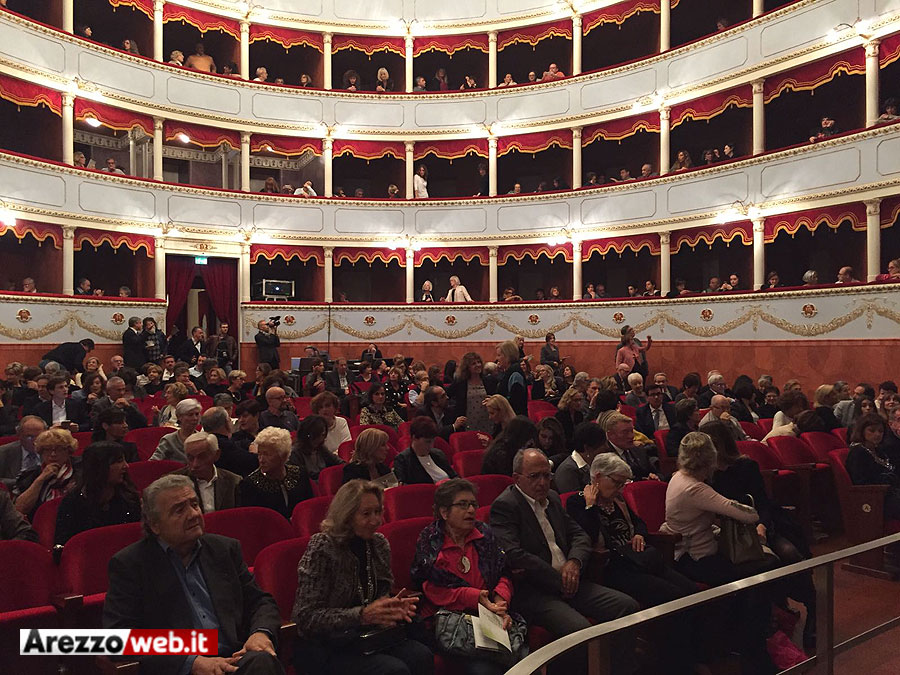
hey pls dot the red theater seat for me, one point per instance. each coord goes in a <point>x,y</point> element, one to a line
<point>275,569</point>
<point>309,514</point>
<point>330,480</point>
<point>647,498</point>
<point>357,429</point>
<point>144,473</point>
<point>44,521</point>
<point>794,451</point>
<point>345,450</point>
<point>302,406</point>
<point>147,439</point>
<point>629,410</point>
<point>254,526</point>
<point>409,501</point>
<point>564,497</point>
<point>463,441</point>
<point>402,535</point>
<point>766,424</point>
<point>490,486</point>
<point>84,439</point>
<point>468,463</point>
<point>667,465</point>
<point>841,433</point>
<point>753,430</point>
<point>821,443</point>
<point>206,402</point>
<point>538,410</point>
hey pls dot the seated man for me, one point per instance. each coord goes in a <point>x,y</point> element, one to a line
<point>435,404</point>
<point>21,455</point>
<point>178,577</point>
<point>116,396</point>
<point>60,408</point>
<point>216,488</point>
<point>232,457</point>
<point>656,415</point>
<point>541,539</point>
<point>552,73</point>
<point>620,439</point>
<point>719,408</point>
<point>280,412</point>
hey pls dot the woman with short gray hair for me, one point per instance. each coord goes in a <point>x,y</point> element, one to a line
<point>275,484</point>
<point>171,446</point>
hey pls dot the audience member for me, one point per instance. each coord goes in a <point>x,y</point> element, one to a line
<point>13,525</point>
<point>719,410</point>
<point>636,396</point>
<point>421,462</point>
<point>370,452</point>
<point>232,456</point>
<point>276,484</point>
<point>60,410</point>
<point>619,430</point>
<point>217,488</point>
<point>868,464</point>
<point>200,60</point>
<point>171,446</point>
<point>552,73</point>
<point>116,395</point>
<point>21,456</point>
<point>280,411</point>
<point>520,432</point>
<point>56,476</point>
<point>512,381</point>
<point>826,129</point>
<point>309,451</point>
<point>112,427</point>
<point>69,355</point>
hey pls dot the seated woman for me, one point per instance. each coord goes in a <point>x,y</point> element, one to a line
<point>105,494</point>
<point>369,455</point>
<point>547,385</point>
<point>377,411</point>
<point>499,411</point>
<point>687,418</point>
<point>326,405</point>
<point>570,413</point>
<point>216,382</point>
<point>171,446</point>
<point>459,565</point>
<point>94,389</point>
<point>111,426</point>
<point>57,475</point>
<point>275,484</point>
<point>344,590</point>
<point>263,370</point>
<point>154,382</point>
<point>868,464</point>
<point>236,380</point>
<point>790,404</point>
<point>635,567</point>
<point>824,400</point>
<point>91,365</point>
<point>421,462</point>
<point>247,413</point>
<point>551,440</point>
<point>174,393</point>
<point>519,433</point>
<point>309,452</point>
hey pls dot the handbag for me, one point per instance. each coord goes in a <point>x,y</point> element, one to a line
<point>455,637</point>
<point>739,542</point>
<point>368,640</point>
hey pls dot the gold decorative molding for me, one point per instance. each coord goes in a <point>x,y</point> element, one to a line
<point>71,318</point>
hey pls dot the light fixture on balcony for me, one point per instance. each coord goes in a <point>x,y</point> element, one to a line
<point>7,217</point>
<point>93,122</point>
<point>246,232</point>
<point>404,242</point>
<point>183,137</point>
<point>834,34</point>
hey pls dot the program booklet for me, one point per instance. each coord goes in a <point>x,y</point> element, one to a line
<point>489,631</point>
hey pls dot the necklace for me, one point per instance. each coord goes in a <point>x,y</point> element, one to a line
<point>369,594</point>
<point>464,563</point>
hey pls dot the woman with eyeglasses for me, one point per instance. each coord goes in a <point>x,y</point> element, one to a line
<point>460,565</point>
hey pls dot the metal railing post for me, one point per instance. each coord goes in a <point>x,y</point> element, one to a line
<point>823,577</point>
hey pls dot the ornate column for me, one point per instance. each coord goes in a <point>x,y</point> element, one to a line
<point>225,166</point>
<point>408,53</point>
<point>492,274</point>
<point>68,260</point>
<point>873,238</point>
<point>158,148</point>
<point>576,48</point>
<point>244,271</point>
<point>759,117</point>
<point>576,158</point>
<point>132,155</point>
<point>245,161</point>
<point>159,268</point>
<point>873,72</point>
<point>68,128</point>
<point>665,23</point>
<point>158,53</point>
<point>492,166</point>
<point>329,274</point>
<point>492,59</point>
<point>410,275</point>
<point>664,155</point>
<point>409,167</point>
<point>665,263</point>
<point>326,60</point>
<point>327,161</point>
<point>244,65</point>
<point>68,16</point>
<point>759,253</point>
<point>759,6</point>
<point>576,269</point>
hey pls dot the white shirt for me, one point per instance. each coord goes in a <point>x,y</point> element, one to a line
<point>420,187</point>
<point>458,294</point>
<point>659,418</point>
<point>437,473</point>
<point>557,557</point>
<point>59,411</point>
<point>207,490</point>
<point>337,434</point>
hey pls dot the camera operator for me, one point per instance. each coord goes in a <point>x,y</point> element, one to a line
<point>267,341</point>
<point>223,348</point>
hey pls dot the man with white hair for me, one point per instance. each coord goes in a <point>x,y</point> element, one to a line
<point>178,577</point>
<point>636,397</point>
<point>715,385</point>
<point>621,378</point>
<point>216,488</point>
<point>619,430</point>
<point>668,391</point>
<point>116,396</point>
<point>719,410</point>
<point>280,412</point>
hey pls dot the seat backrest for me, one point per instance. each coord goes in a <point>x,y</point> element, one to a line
<point>254,526</point>
<point>84,439</point>
<point>842,483</point>
<point>444,447</point>
<point>791,450</point>
<point>403,429</point>
<point>753,430</point>
<point>490,486</point>
<point>538,410</point>
<point>85,557</point>
<point>345,450</point>
<point>147,439</point>
<point>659,439</point>
<point>144,473</point>
<point>402,535</point>
<point>821,443</point>
<point>564,497</point>
<point>468,463</point>
<point>483,513</point>
<point>841,433</point>
<point>302,406</point>
<point>647,498</point>
<point>357,429</point>
<point>275,569</point>
<point>206,402</point>
<point>330,480</point>
<point>409,501</point>
<point>44,522</point>
<point>761,453</point>
<point>766,424</point>
<point>309,514</point>
<point>629,410</point>
<point>462,441</point>
<point>26,575</point>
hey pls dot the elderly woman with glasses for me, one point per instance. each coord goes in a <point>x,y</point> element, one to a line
<point>57,475</point>
<point>459,565</point>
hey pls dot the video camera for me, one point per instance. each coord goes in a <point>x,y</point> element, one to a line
<point>274,321</point>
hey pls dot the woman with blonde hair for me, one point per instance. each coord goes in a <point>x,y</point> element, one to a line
<point>344,590</point>
<point>383,81</point>
<point>570,413</point>
<point>174,393</point>
<point>824,401</point>
<point>57,475</point>
<point>369,456</point>
<point>499,411</point>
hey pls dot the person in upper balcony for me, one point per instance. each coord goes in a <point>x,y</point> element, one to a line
<point>826,129</point>
<point>130,46</point>
<point>552,73</point>
<point>440,82</point>
<point>305,80</point>
<point>893,273</point>
<point>508,81</point>
<point>176,58</point>
<point>647,171</point>
<point>683,161</point>
<point>420,182</point>
<point>270,186</point>
<point>773,281</point>
<point>351,80</point>
<point>810,278</point>
<point>458,292</point>
<point>468,83</point>
<point>383,81</point>
<point>845,276</point>
<point>200,60</point>
<point>650,289</point>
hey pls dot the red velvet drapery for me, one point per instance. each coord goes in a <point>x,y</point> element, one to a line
<point>180,273</point>
<point>220,278</point>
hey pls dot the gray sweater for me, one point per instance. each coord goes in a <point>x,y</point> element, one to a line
<point>170,447</point>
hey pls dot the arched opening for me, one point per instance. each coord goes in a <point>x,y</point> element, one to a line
<point>112,25</point>
<point>21,248</point>
<point>110,266</point>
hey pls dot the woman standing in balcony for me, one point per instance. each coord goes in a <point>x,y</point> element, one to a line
<point>351,80</point>
<point>420,182</point>
<point>458,292</point>
<point>383,81</point>
<point>440,82</point>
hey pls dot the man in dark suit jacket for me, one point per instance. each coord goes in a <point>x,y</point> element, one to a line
<point>21,454</point>
<point>436,405</point>
<point>192,347</point>
<point>216,488</point>
<point>115,396</point>
<point>340,380</point>
<point>147,582</point>
<point>74,410</point>
<point>70,355</point>
<point>553,593</point>
<point>620,439</point>
<point>669,392</point>
<point>267,343</point>
<point>655,415</point>
<point>133,344</point>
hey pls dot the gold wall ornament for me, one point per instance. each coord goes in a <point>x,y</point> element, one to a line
<point>290,320</point>
<point>809,310</point>
<point>706,314</point>
<point>534,319</point>
<point>450,320</point>
<point>23,315</point>
<point>618,317</point>
<point>118,318</point>
<point>369,321</point>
